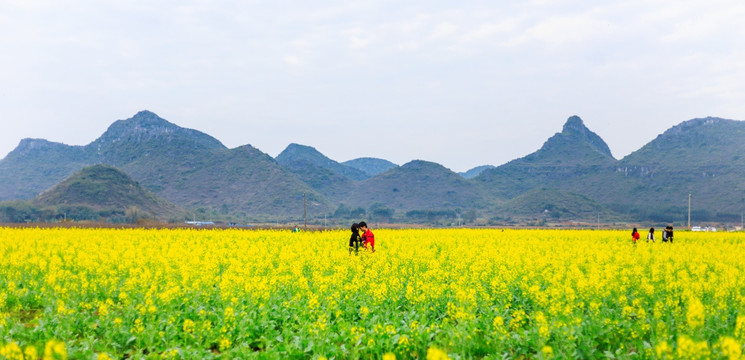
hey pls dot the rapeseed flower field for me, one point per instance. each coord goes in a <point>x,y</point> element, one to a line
<point>424,294</point>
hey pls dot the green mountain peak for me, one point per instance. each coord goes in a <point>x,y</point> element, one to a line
<point>146,126</point>
<point>103,186</point>
<point>370,166</point>
<point>298,157</point>
<point>574,145</point>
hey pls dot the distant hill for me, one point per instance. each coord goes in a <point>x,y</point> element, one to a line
<point>575,145</point>
<point>148,135</point>
<point>104,187</point>
<point>36,165</point>
<point>370,166</point>
<point>320,173</point>
<point>699,142</point>
<point>555,204</point>
<point>302,156</point>
<point>563,160</point>
<point>194,170</point>
<point>470,174</point>
<point>243,180</point>
<point>419,185</point>
<point>704,157</point>
<point>184,166</point>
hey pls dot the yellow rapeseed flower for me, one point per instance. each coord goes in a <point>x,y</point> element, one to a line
<point>188,326</point>
<point>30,352</point>
<point>55,350</point>
<point>11,351</point>
<point>695,314</point>
<point>690,349</point>
<point>730,348</point>
<point>740,327</point>
<point>547,352</point>
<point>436,354</point>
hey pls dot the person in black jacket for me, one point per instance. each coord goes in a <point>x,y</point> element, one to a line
<point>670,234</point>
<point>667,234</point>
<point>354,240</point>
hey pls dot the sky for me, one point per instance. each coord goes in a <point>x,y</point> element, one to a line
<point>461,83</point>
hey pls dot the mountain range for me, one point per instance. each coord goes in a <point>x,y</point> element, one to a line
<point>573,176</point>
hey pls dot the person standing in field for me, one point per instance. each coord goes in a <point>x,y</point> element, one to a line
<point>634,236</point>
<point>664,234</point>
<point>367,236</point>
<point>670,234</point>
<point>354,240</point>
<point>650,236</point>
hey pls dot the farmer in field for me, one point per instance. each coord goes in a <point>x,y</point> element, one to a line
<point>367,236</point>
<point>354,240</point>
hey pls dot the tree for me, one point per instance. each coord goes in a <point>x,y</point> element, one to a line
<point>342,212</point>
<point>381,212</point>
<point>134,214</point>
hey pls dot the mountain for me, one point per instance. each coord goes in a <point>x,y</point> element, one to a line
<point>562,161</point>
<point>470,174</point>
<point>328,177</point>
<point>295,156</point>
<point>574,145</point>
<point>370,166</point>
<point>184,166</point>
<point>707,141</point>
<point>196,171</point>
<point>241,180</point>
<point>419,185</point>
<point>104,187</point>
<point>138,145</point>
<point>704,157</point>
<point>36,165</point>
<point>148,135</point>
<point>554,204</point>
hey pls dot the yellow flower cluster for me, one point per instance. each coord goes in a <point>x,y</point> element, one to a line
<point>53,350</point>
<point>431,294</point>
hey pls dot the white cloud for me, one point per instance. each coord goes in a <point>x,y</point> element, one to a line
<point>358,38</point>
<point>292,60</point>
<point>444,29</point>
<point>485,31</point>
<point>562,30</point>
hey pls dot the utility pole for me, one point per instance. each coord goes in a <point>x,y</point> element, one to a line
<point>689,211</point>
<point>305,215</point>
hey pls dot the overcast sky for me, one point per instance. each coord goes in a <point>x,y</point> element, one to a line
<point>462,83</point>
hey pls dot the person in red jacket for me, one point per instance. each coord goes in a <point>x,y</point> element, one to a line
<point>634,236</point>
<point>367,236</point>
